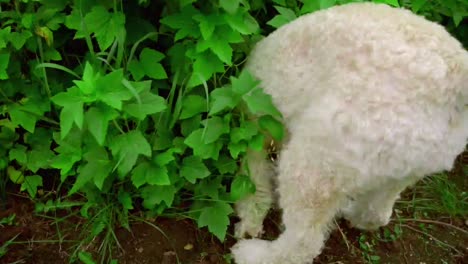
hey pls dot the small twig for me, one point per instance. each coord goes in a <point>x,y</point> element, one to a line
<point>432,222</point>
<point>342,234</point>
<point>432,237</point>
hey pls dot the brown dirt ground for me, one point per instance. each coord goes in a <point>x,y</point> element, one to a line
<point>37,241</point>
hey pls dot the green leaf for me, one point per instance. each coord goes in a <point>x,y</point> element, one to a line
<point>230,6</point>
<point>97,169</point>
<point>72,113</point>
<point>184,23</point>
<point>242,22</point>
<point>241,187</point>
<point>86,257</point>
<point>125,199</point>
<point>111,90</point>
<point>149,60</point>
<point>209,187</point>
<point>20,115</point>
<point>30,184</point>
<point>223,99</point>
<point>151,174</point>
<point>259,102</point>
<point>105,26</point>
<point>273,126</point>
<point>187,126</point>
<point>214,128</point>
<point>39,159</point>
<point>257,142</point>
<point>246,131</point>
<point>87,85</point>
<point>18,153</point>
<point>97,119</point>
<point>127,148</point>
<point>216,217</point>
<point>4,61</point>
<point>150,104</point>
<point>226,164</point>
<point>394,3</point>
<point>193,168</point>
<point>4,36</point>
<point>206,64</point>
<point>286,15</point>
<point>200,148</point>
<point>236,148</point>
<point>153,195</point>
<point>136,69</point>
<point>193,105</point>
<point>244,83</point>
<point>18,39</point>
<point>220,46</point>
<point>417,5</point>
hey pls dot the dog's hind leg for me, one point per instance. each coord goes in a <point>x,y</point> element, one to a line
<point>310,196</point>
<point>373,209</point>
<point>253,209</point>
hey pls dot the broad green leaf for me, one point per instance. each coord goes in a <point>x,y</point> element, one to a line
<point>97,119</point>
<point>105,26</point>
<point>39,159</point>
<point>150,104</point>
<point>4,61</point>
<point>216,218</point>
<point>193,168</point>
<point>18,39</point>
<point>4,37</point>
<point>259,102</point>
<point>187,126</point>
<point>21,116</point>
<point>72,113</point>
<point>149,173</point>
<point>69,150</point>
<point>221,48</point>
<point>417,5</point>
<point>209,187</point>
<point>206,64</point>
<point>286,15</point>
<point>236,148</point>
<point>149,60</point>
<point>18,153</point>
<point>214,128</point>
<point>30,184</point>
<point>230,6</point>
<point>244,83</point>
<point>127,148</point>
<point>242,22</point>
<point>86,257</point>
<point>389,2</point>
<point>200,148</point>
<point>226,164</point>
<point>111,90</point>
<point>273,126</point>
<point>184,23</point>
<point>87,85</point>
<point>241,187</point>
<point>125,199</point>
<point>96,170</point>
<point>223,99</point>
<point>257,142</point>
<point>193,105</point>
<point>16,176</point>
<point>164,158</point>
<point>137,70</point>
<point>246,131</point>
<point>153,195</point>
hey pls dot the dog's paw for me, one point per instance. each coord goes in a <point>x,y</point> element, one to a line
<point>252,251</point>
<point>243,229</point>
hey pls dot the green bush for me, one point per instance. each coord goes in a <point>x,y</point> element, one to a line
<point>142,105</point>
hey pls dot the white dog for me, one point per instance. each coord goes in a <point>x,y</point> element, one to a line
<point>374,98</point>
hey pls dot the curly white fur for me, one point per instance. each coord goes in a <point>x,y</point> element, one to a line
<point>373,98</point>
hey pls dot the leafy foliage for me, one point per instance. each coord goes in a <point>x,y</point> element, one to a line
<point>142,104</point>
